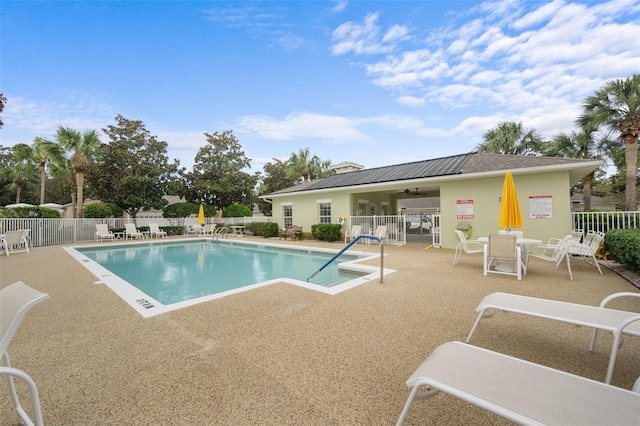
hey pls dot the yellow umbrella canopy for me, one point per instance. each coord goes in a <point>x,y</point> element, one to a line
<point>201,215</point>
<point>510,215</point>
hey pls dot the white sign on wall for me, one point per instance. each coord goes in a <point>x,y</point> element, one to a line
<point>540,207</point>
<point>464,209</point>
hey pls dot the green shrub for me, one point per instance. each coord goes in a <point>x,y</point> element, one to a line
<point>30,212</point>
<point>237,210</point>
<point>180,210</point>
<point>266,229</point>
<point>326,231</point>
<point>624,246</point>
<point>172,230</point>
<point>102,210</point>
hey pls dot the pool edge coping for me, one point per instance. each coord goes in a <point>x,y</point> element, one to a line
<point>149,307</point>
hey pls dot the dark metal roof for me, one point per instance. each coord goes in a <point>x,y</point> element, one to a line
<point>457,164</point>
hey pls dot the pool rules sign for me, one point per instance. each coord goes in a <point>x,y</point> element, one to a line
<point>540,207</point>
<point>464,209</point>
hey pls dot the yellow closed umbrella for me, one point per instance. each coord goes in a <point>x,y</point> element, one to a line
<point>201,215</point>
<point>510,215</point>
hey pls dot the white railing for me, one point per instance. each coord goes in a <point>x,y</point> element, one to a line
<point>395,226</point>
<point>603,221</point>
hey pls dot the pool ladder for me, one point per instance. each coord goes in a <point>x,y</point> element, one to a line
<point>354,241</point>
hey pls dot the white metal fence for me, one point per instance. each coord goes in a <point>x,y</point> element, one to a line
<point>47,232</point>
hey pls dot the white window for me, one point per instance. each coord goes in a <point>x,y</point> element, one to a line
<point>324,212</point>
<point>287,214</point>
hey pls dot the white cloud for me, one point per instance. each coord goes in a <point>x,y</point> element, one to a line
<point>303,125</point>
<point>338,7</point>
<point>511,54</point>
<point>364,38</point>
<point>410,101</point>
<point>41,117</point>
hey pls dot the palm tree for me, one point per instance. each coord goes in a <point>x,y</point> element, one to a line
<point>583,144</point>
<point>306,166</point>
<point>83,146</point>
<point>511,138</point>
<point>617,106</point>
<point>41,153</point>
<point>19,175</point>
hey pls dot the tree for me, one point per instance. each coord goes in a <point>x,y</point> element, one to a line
<point>41,153</point>
<point>303,167</point>
<point>3,102</point>
<point>17,174</point>
<point>218,178</point>
<point>275,178</point>
<point>133,170</point>
<point>511,138</point>
<point>21,175</point>
<point>585,144</point>
<point>617,106</point>
<point>83,146</point>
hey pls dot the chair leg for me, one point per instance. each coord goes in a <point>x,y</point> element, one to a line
<point>10,372</point>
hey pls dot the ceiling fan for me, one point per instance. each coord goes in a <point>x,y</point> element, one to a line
<point>409,192</point>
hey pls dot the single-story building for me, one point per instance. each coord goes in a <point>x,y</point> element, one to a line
<point>469,187</point>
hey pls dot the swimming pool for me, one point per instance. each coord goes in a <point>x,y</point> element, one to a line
<point>157,277</point>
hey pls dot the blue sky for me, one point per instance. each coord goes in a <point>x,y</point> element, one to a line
<point>373,82</point>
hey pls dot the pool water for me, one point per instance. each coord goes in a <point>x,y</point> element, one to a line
<point>176,273</point>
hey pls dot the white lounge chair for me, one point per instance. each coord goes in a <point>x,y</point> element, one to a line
<point>502,255</point>
<point>131,231</point>
<point>520,391</point>
<point>597,317</point>
<point>193,230</point>
<point>15,241</point>
<point>468,246</point>
<point>587,249</point>
<point>103,233</point>
<point>155,231</point>
<point>15,302</point>
<point>353,233</point>
<point>554,251</point>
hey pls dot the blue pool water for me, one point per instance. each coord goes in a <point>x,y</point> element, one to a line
<point>175,272</point>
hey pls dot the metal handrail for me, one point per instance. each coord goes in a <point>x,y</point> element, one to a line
<point>355,240</point>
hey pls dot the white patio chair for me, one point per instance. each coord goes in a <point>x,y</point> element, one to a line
<point>554,251</point>
<point>518,234</point>
<point>131,231</point>
<point>353,233</point>
<point>155,231</point>
<point>15,302</point>
<point>103,233</point>
<point>468,246</point>
<point>502,255</point>
<point>381,232</point>
<point>15,241</point>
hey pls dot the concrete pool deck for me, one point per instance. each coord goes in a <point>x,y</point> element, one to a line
<point>287,355</point>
